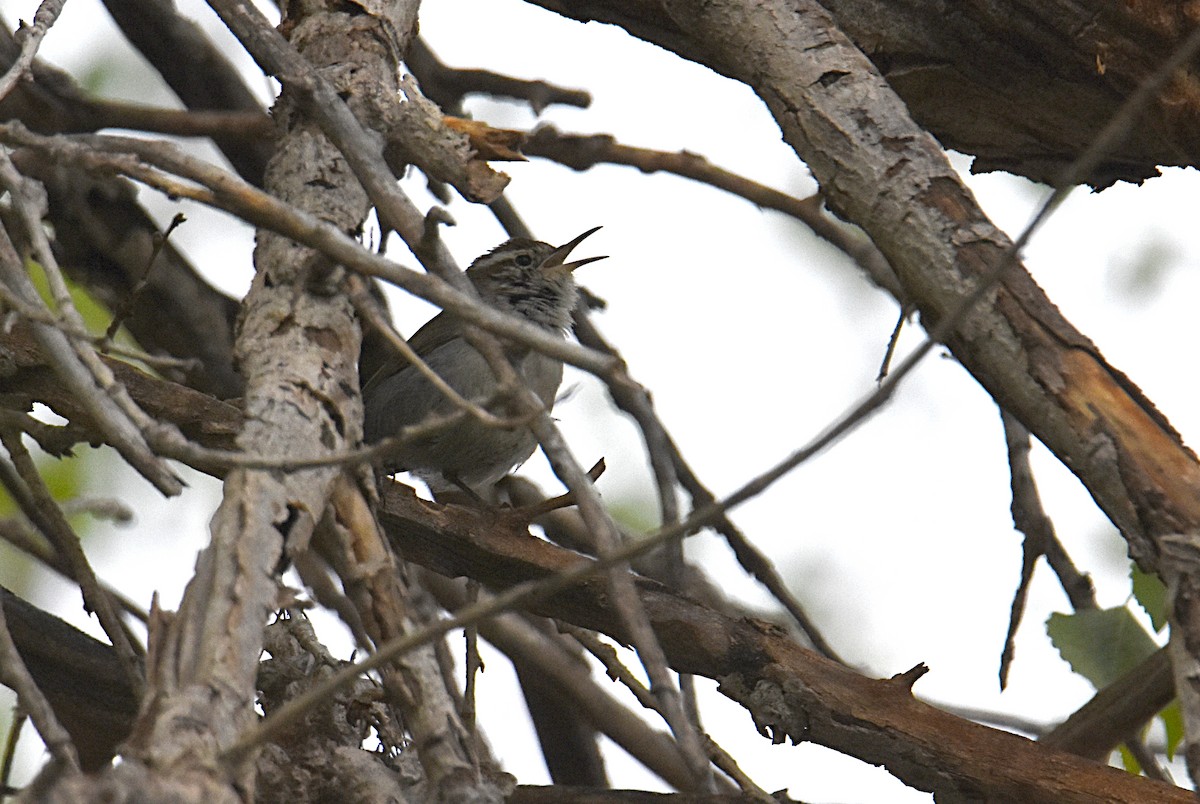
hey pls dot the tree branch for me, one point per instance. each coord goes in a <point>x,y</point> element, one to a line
<point>760,668</point>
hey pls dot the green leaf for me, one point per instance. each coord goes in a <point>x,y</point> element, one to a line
<point>1129,761</point>
<point>633,515</point>
<point>65,477</point>
<point>1172,720</point>
<point>1100,644</point>
<point>1151,593</point>
<point>95,317</point>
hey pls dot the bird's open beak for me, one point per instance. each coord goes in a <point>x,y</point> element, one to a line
<point>557,258</point>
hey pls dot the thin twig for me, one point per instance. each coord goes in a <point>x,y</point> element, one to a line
<point>1005,720</point>
<point>473,663</point>
<point>607,656</point>
<point>368,308</point>
<point>25,484</point>
<point>125,309</point>
<point>93,114</point>
<point>616,670</point>
<point>893,340</point>
<point>624,597</point>
<point>42,315</point>
<point>448,85</point>
<point>10,751</point>
<point>78,365</point>
<point>729,766</point>
<point>581,152</point>
<point>30,37</point>
<point>16,677</point>
<point>1040,539</point>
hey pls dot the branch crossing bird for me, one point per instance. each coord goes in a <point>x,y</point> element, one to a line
<point>523,277</point>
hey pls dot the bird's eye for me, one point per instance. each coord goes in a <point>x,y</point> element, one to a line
<point>523,260</point>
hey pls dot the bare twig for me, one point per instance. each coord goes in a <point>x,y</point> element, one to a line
<point>474,662</point>
<point>617,671</point>
<point>1005,720</point>
<point>893,340</point>
<point>79,366</point>
<point>31,37</point>
<point>27,488</point>
<point>607,656</point>
<point>1040,538</point>
<point>729,766</point>
<point>448,85</point>
<point>10,751</point>
<point>368,308</point>
<point>582,152</point>
<point>625,600</point>
<point>126,308</point>
<point>40,314</point>
<point>634,400</point>
<point>32,702</point>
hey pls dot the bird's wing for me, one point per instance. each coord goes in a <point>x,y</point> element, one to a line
<point>437,331</point>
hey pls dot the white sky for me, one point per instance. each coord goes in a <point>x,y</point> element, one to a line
<point>752,337</point>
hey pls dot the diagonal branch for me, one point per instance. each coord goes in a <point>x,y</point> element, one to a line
<point>447,86</point>
<point>883,172</point>
<point>791,692</point>
<point>197,71</point>
<point>456,541</point>
<point>77,365</point>
<point>30,37</point>
<point>581,152</point>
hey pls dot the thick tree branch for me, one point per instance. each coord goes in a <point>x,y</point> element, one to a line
<point>881,171</point>
<point>1033,83</point>
<point>791,692</point>
<point>1023,86</point>
<point>1117,711</point>
<point>454,541</point>
<point>884,173</point>
<point>194,67</point>
<point>77,365</point>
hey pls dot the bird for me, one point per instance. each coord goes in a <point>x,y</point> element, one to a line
<point>523,277</point>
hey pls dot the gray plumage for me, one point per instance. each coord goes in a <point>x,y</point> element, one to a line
<point>523,277</point>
